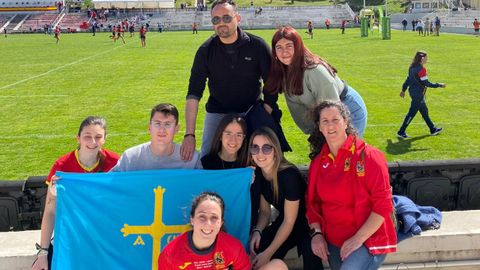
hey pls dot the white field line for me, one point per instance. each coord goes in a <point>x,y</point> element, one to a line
<point>30,96</point>
<point>60,67</point>
<point>64,66</point>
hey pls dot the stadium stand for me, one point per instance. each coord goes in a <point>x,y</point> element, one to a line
<point>4,21</point>
<point>178,19</point>
<point>461,18</point>
<point>35,22</point>
<point>271,17</point>
<point>17,19</point>
<point>72,21</point>
<point>452,21</point>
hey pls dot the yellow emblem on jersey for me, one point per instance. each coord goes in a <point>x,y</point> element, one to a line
<point>346,167</point>
<point>218,260</point>
<point>360,168</point>
<point>185,265</point>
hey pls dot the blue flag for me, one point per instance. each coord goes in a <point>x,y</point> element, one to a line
<point>124,220</point>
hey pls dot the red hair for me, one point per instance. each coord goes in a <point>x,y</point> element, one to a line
<point>289,79</point>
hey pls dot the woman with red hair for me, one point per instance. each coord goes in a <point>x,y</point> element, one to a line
<point>307,79</point>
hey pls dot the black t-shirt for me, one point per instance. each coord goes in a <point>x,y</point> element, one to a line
<point>214,162</point>
<point>291,186</point>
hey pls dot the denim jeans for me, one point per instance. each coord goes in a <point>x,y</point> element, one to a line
<point>358,111</point>
<point>360,259</point>
<point>210,125</point>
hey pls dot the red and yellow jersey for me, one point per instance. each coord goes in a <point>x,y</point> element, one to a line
<point>344,190</point>
<point>225,254</point>
<point>71,163</point>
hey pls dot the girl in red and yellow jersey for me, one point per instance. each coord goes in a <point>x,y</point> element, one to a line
<point>90,157</point>
<point>206,246</point>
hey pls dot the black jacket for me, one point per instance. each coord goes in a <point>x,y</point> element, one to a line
<point>234,79</point>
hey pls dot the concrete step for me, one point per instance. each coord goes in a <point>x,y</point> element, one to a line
<point>455,246</point>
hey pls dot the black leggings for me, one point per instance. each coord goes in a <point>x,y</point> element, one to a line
<point>304,247</point>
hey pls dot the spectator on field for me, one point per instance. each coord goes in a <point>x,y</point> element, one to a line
<point>349,197</point>
<point>426,27</point>
<point>282,186</point>
<point>94,28</point>
<point>420,27</point>
<point>327,24</point>
<point>437,26</point>
<point>235,63</point>
<point>90,157</point>
<point>306,79</point>
<point>414,23</point>
<point>343,26</point>
<point>143,36</point>
<point>194,28</point>
<point>417,83</point>
<point>160,152</point>
<point>404,24</point>
<point>310,29</point>
<point>476,26</point>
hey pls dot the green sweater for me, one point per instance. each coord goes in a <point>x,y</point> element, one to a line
<point>318,85</point>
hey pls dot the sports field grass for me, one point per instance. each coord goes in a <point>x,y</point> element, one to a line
<point>47,89</point>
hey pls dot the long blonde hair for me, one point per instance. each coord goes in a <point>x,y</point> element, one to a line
<point>279,161</point>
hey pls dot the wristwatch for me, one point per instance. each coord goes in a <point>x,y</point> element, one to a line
<point>313,232</point>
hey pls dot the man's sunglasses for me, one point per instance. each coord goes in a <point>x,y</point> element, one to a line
<point>266,149</point>
<point>226,19</point>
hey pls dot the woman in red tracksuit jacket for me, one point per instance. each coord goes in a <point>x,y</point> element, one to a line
<point>349,199</point>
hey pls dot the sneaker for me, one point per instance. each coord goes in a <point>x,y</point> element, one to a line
<point>402,135</point>
<point>436,131</point>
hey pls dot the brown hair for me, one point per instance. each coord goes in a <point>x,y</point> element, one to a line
<point>316,139</point>
<point>212,196</point>
<point>93,120</point>
<point>166,109</point>
<point>417,59</point>
<point>290,78</point>
<point>217,138</point>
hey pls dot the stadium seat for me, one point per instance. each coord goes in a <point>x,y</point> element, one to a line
<point>469,193</point>
<point>8,214</point>
<point>432,191</point>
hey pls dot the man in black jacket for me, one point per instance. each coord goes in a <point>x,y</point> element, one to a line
<point>235,63</point>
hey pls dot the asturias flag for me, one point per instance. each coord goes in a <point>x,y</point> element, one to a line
<point>123,220</point>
